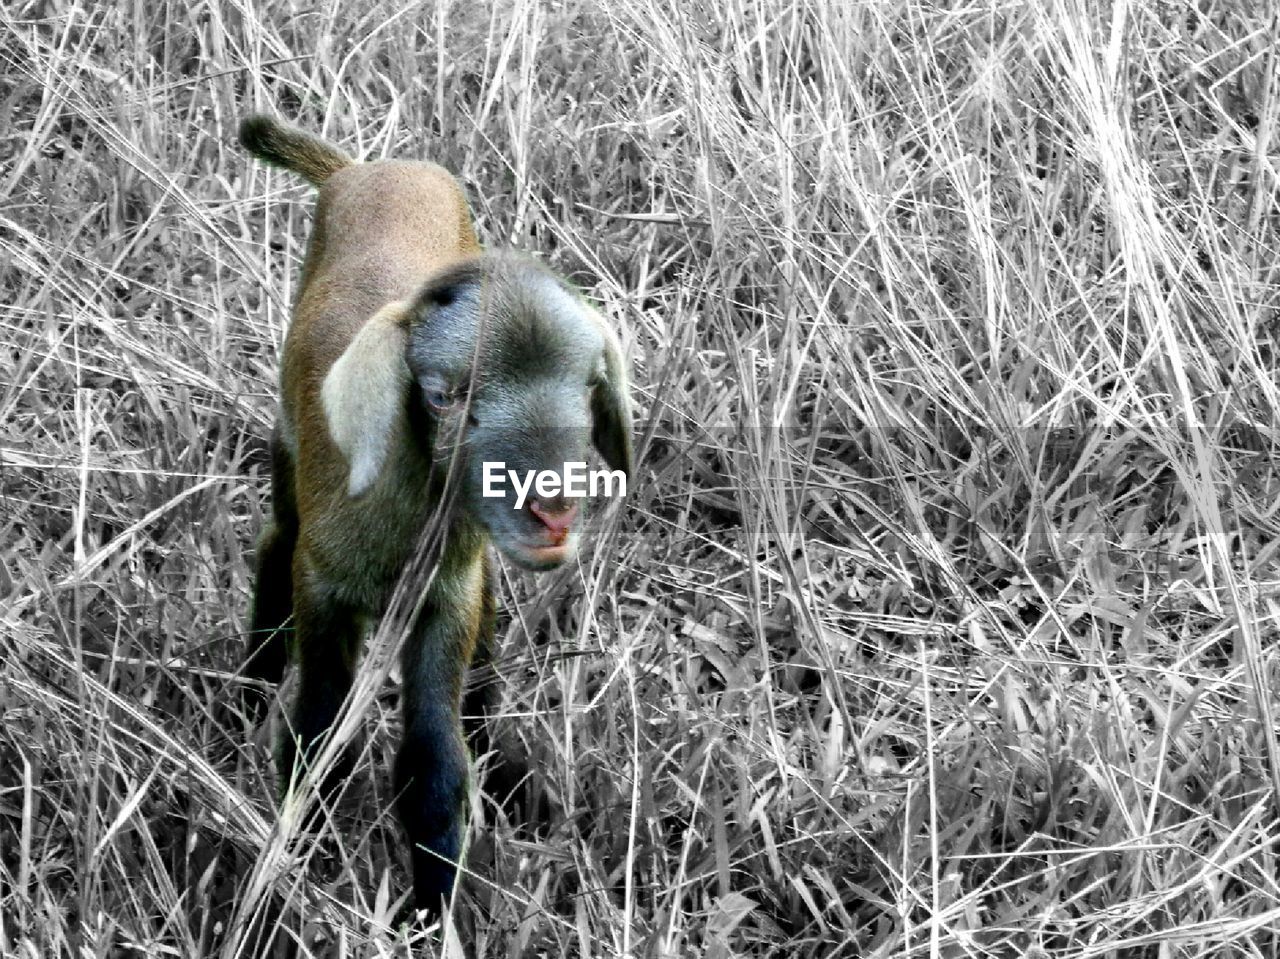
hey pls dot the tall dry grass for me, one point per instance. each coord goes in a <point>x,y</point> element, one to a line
<point>943,619</point>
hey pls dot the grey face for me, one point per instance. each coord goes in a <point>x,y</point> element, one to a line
<point>544,382</point>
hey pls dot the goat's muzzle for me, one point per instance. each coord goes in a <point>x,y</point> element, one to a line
<point>556,514</point>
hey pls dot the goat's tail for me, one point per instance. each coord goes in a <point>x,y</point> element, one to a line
<point>291,148</point>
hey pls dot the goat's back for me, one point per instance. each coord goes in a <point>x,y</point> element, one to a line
<point>380,231</point>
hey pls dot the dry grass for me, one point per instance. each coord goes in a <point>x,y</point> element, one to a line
<point>943,620</point>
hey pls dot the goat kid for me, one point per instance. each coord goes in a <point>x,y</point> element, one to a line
<point>406,338</point>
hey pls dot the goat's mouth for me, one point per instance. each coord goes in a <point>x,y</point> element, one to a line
<point>539,557</point>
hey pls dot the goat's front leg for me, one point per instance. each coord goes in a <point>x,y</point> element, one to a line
<point>507,772</point>
<point>431,766</point>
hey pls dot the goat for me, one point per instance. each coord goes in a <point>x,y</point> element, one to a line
<point>407,337</point>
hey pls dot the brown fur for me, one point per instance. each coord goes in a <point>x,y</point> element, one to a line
<point>381,230</point>
<point>378,238</point>
<point>292,149</point>
<point>396,301</point>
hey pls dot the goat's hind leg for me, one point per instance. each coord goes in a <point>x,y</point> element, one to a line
<point>326,643</point>
<point>268,640</point>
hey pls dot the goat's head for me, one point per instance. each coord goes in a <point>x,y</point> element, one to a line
<point>497,359</point>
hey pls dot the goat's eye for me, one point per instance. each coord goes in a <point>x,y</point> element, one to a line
<point>440,400</point>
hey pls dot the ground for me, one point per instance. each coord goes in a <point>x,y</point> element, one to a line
<point>941,616</point>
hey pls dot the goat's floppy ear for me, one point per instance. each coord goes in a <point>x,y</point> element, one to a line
<point>611,409</point>
<point>364,394</point>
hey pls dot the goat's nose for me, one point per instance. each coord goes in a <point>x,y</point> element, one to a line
<point>556,513</point>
